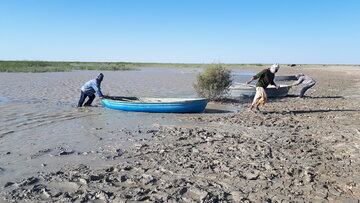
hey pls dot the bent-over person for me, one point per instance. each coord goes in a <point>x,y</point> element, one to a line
<point>89,89</point>
<point>306,80</point>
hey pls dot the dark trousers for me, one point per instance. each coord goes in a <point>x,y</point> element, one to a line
<point>305,88</point>
<point>83,97</point>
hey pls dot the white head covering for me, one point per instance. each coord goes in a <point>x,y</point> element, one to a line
<point>299,75</point>
<point>274,68</point>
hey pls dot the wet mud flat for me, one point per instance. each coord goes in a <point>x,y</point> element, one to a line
<point>300,150</point>
<point>209,165</point>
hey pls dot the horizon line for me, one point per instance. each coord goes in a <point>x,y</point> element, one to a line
<point>1,60</point>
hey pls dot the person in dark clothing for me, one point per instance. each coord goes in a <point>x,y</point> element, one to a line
<point>265,77</point>
<point>89,89</point>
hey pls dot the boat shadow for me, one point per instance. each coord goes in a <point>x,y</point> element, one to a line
<point>244,100</point>
<point>309,111</point>
<point>316,97</point>
<point>215,111</point>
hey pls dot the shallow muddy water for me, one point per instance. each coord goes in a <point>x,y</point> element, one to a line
<point>41,129</point>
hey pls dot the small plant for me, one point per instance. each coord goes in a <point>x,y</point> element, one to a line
<point>213,83</point>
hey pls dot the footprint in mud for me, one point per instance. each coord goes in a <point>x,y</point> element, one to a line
<point>62,151</point>
<point>40,153</point>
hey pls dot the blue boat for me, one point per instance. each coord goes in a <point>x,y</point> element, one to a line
<point>156,105</point>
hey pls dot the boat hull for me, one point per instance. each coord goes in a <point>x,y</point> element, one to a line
<point>240,91</point>
<point>285,77</point>
<point>158,105</point>
<point>281,92</point>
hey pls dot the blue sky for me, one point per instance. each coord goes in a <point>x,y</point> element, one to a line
<point>182,31</point>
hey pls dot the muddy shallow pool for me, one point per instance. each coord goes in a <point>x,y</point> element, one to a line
<point>41,129</point>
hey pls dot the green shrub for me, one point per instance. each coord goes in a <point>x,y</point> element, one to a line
<point>213,83</point>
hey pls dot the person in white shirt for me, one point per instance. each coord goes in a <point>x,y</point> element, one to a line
<point>306,80</point>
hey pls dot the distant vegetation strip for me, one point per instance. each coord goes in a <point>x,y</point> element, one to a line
<point>47,66</point>
<point>50,66</point>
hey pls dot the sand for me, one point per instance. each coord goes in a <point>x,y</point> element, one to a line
<point>300,150</point>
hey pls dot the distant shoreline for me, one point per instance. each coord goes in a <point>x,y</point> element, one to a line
<point>51,66</point>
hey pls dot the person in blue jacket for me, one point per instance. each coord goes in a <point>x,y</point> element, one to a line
<point>89,89</point>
